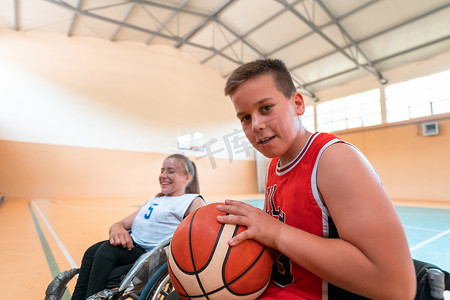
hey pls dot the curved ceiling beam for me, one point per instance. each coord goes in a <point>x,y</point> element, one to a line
<point>173,38</point>
<point>317,30</point>
<point>383,59</point>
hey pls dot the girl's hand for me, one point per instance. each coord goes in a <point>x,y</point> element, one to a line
<point>118,232</point>
<point>261,227</point>
<point>118,235</point>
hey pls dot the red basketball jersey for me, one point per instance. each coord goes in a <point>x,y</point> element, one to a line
<point>292,197</point>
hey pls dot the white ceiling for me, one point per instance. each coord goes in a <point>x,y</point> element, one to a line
<point>323,42</point>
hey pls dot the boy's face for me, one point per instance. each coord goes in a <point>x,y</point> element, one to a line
<point>269,120</point>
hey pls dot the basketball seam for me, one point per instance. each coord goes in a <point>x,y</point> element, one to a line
<point>214,248</point>
<point>173,274</point>
<point>196,272</point>
<point>192,257</point>
<point>191,252</point>
<point>226,284</point>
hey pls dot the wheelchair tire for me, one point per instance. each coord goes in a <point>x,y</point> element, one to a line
<point>159,286</point>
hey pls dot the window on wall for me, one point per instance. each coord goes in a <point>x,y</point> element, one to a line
<point>357,110</point>
<point>193,141</point>
<point>308,119</point>
<point>419,97</point>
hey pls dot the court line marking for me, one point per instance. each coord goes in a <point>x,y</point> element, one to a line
<point>51,262</point>
<point>433,238</point>
<point>55,236</point>
<point>421,228</point>
<point>74,265</point>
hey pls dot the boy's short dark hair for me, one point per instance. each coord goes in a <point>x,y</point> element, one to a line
<point>274,67</point>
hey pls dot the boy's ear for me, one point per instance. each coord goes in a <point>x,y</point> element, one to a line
<point>299,103</point>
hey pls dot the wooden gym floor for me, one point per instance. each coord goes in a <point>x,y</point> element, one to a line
<point>42,237</point>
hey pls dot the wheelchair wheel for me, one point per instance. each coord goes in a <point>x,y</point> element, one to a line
<point>163,289</point>
<point>159,286</point>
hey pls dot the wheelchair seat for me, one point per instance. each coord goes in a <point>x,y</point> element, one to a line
<point>117,275</point>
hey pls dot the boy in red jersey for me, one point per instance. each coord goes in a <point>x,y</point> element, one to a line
<point>333,228</point>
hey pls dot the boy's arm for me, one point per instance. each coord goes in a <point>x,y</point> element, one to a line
<point>372,255</point>
<point>370,258</point>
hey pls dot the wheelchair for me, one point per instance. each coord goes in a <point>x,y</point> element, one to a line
<point>147,279</point>
<point>432,281</point>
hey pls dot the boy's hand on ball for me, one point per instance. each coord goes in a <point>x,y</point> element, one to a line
<point>261,227</point>
<point>203,265</point>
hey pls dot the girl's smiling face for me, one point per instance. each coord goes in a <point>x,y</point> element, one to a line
<point>270,120</point>
<point>174,177</point>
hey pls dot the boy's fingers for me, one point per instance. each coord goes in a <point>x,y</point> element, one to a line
<point>237,203</point>
<point>233,202</point>
<point>232,219</point>
<point>233,209</point>
<point>239,238</point>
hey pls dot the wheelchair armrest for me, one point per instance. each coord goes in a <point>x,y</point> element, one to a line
<point>432,281</point>
<point>57,287</point>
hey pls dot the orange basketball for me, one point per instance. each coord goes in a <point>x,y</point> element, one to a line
<point>203,266</point>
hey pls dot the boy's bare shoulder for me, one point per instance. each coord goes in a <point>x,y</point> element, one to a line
<point>342,164</point>
<point>342,153</point>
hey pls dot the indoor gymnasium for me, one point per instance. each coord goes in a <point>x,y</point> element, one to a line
<point>96,94</point>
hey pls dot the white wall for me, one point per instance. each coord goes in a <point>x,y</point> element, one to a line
<point>94,93</point>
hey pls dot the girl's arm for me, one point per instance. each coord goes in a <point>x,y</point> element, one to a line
<point>118,232</point>
<point>196,203</point>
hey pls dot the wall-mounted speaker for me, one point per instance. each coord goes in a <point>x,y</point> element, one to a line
<point>430,128</point>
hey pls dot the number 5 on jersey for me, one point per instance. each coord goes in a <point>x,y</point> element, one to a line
<point>150,208</point>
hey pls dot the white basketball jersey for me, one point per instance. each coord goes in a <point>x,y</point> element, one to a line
<point>157,220</point>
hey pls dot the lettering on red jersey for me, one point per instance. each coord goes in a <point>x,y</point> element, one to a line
<point>281,270</point>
